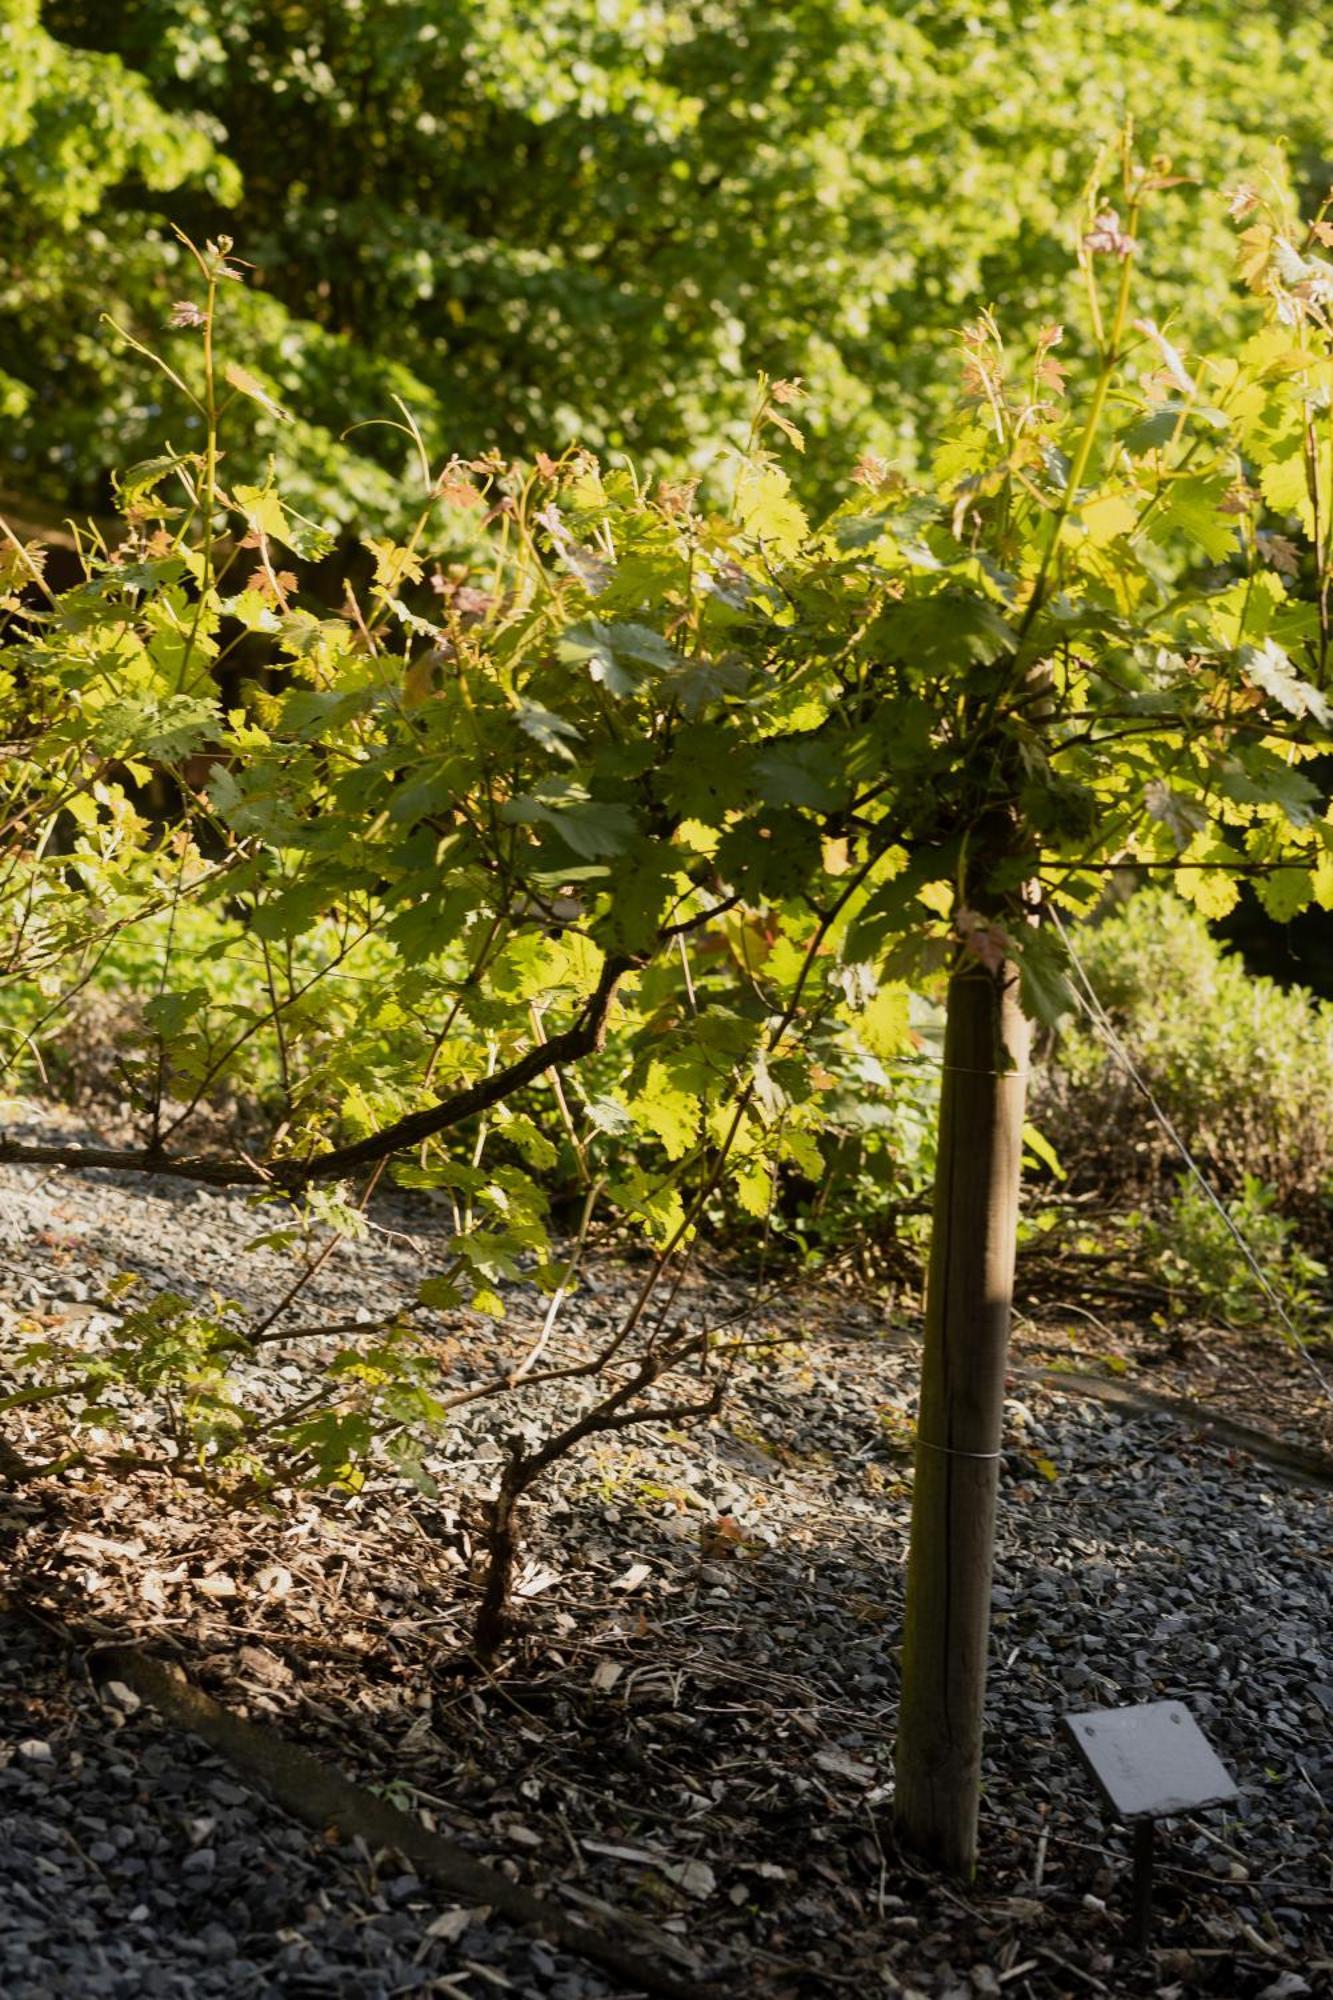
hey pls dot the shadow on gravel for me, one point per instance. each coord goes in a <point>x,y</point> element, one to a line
<point>697,1725</point>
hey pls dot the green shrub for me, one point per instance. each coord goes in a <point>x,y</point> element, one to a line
<point>1205,1270</point>
<point>1241,1066</point>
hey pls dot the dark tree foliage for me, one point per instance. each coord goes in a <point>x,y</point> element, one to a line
<point>592,222</point>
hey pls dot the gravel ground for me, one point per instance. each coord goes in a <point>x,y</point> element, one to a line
<point>133,1863</point>
<point>696,1724</point>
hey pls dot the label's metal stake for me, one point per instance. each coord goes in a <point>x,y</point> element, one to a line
<point>1140,1916</point>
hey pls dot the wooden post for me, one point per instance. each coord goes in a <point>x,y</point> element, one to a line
<point>968,1297</point>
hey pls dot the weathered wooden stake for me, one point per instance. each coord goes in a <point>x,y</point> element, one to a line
<point>968,1298</point>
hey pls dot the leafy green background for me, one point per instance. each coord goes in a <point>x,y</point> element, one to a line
<point>592,222</point>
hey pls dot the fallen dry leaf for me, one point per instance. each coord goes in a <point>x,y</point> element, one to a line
<point>721,1538</point>
<point>839,1765</point>
<point>451,1924</point>
<point>218,1586</point>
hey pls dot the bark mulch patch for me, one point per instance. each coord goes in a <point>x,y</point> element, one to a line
<point>695,1725</point>
<point>1260,1378</point>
